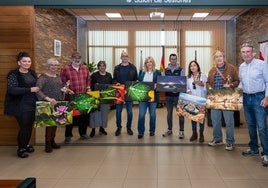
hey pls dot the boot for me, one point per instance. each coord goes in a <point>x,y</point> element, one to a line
<point>102,130</point>
<point>22,153</point>
<point>193,137</point>
<point>201,138</point>
<point>48,147</point>
<point>92,134</point>
<point>54,145</point>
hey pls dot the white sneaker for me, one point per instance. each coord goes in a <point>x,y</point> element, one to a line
<point>264,160</point>
<point>181,134</point>
<point>229,147</point>
<point>215,143</point>
<point>168,133</point>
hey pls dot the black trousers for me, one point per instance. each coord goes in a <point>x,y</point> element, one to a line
<point>25,121</point>
<point>81,121</point>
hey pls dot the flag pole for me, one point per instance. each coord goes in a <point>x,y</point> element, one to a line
<point>141,61</point>
<point>162,65</point>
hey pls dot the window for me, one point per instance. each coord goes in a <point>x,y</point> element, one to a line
<point>189,40</point>
<point>198,47</point>
<point>107,46</point>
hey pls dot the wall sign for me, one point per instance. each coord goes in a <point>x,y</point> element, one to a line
<point>142,3</point>
<point>57,48</point>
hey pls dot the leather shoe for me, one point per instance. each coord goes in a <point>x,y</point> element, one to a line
<point>22,153</point>
<point>151,134</point>
<point>140,136</point>
<point>102,130</point>
<point>117,132</point>
<point>29,149</point>
<point>129,131</point>
<point>92,134</point>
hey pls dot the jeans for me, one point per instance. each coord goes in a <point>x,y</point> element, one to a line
<point>201,126</point>
<point>170,103</point>
<point>255,116</point>
<point>119,108</point>
<point>142,111</point>
<point>216,117</point>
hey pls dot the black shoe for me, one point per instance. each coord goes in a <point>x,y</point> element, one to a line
<point>54,145</point>
<point>151,134</point>
<point>140,136</point>
<point>129,131</point>
<point>22,153</point>
<point>102,130</point>
<point>29,149</point>
<point>48,147</point>
<point>92,134</point>
<point>117,132</point>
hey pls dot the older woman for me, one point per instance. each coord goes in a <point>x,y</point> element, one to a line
<point>20,101</point>
<point>148,74</point>
<point>99,118</point>
<point>50,90</point>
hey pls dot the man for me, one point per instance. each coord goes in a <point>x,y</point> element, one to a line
<point>79,78</point>
<point>253,74</point>
<point>223,75</point>
<point>123,72</point>
<point>173,69</point>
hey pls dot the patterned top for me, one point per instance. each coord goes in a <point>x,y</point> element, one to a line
<point>79,80</point>
<point>49,87</point>
<point>19,97</point>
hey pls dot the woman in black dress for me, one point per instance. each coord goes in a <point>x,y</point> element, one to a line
<point>20,101</point>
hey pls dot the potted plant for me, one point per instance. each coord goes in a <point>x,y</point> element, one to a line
<point>92,66</point>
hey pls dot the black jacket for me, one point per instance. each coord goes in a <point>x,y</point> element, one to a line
<point>132,74</point>
<point>18,94</point>
<point>176,72</point>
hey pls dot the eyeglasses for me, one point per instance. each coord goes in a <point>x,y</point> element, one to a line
<point>124,56</point>
<point>53,65</point>
<point>194,86</point>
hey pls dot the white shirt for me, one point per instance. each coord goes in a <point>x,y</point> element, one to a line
<point>200,90</point>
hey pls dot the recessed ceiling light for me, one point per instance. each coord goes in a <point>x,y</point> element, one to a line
<point>113,15</point>
<point>200,15</point>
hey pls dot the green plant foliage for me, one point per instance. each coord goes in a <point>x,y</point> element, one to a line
<point>92,66</point>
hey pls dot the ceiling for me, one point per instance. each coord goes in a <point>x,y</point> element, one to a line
<point>171,14</point>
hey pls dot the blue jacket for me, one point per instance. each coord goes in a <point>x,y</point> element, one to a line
<point>155,74</point>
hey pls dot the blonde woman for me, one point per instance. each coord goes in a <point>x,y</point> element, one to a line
<point>50,86</point>
<point>148,74</point>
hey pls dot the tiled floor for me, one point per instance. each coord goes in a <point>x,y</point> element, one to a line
<point>126,162</point>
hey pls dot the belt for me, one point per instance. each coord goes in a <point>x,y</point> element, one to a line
<point>254,94</point>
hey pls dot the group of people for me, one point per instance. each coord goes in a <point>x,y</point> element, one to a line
<point>24,88</point>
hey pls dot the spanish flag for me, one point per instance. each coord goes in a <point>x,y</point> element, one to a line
<point>162,65</point>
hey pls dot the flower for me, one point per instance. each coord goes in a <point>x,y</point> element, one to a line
<point>61,109</point>
<point>61,119</point>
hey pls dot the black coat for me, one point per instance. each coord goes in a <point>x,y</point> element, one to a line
<point>18,94</point>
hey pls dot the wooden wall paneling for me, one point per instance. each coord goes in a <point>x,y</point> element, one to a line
<point>17,24</point>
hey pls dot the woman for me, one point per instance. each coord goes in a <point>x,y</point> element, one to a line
<point>50,90</point>
<point>196,86</point>
<point>20,101</point>
<point>99,118</point>
<point>148,74</point>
